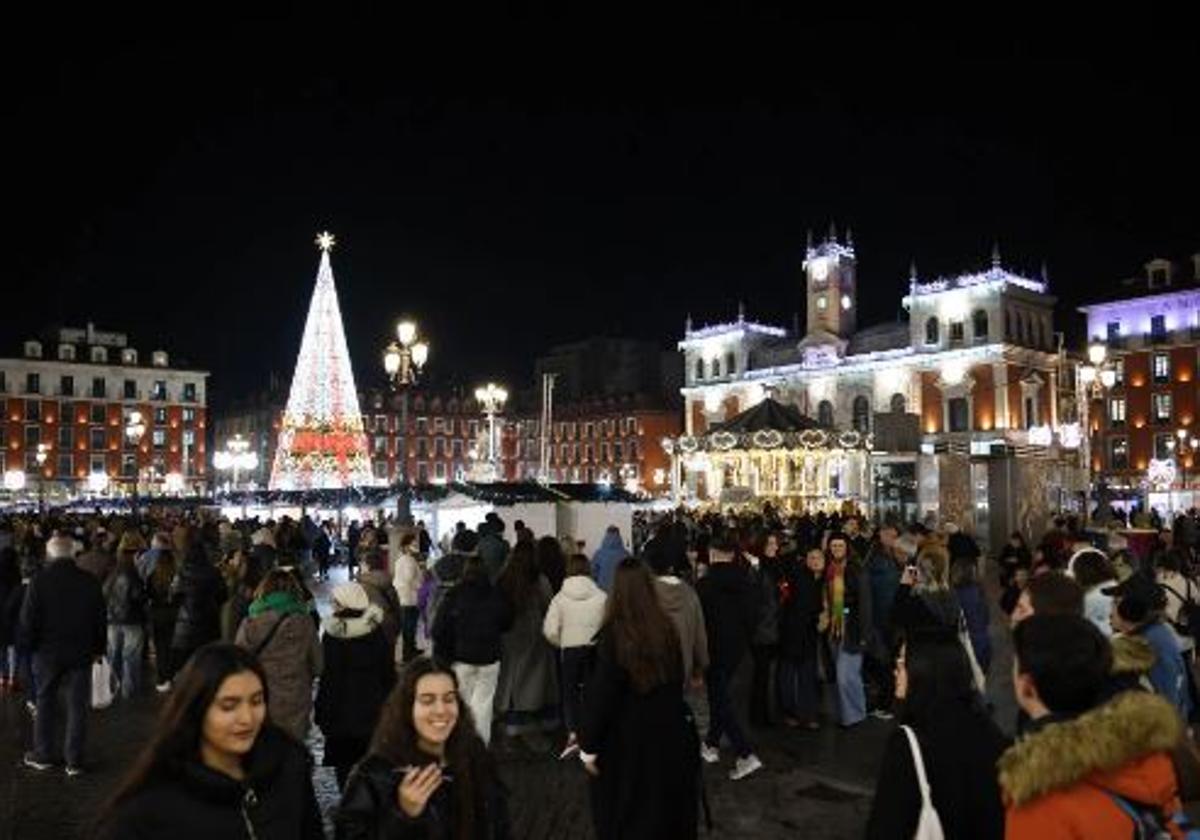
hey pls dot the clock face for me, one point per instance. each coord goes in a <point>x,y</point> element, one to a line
<point>820,270</point>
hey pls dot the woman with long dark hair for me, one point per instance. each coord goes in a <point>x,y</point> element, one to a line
<point>527,690</point>
<point>163,612</point>
<point>428,774</point>
<point>637,738</point>
<point>959,745</point>
<point>215,766</point>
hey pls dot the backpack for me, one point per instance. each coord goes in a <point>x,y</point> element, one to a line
<point>1151,823</point>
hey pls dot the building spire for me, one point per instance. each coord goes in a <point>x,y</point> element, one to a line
<point>832,232</point>
<point>996,253</point>
<point>687,324</point>
<point>849,237</point>
<point>808,239</point>
<point>912,271</point>
<point>1045,273</point>
<point>741,311</point>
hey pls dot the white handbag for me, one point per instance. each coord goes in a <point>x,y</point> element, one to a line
<point>929,825</point>
<point>102,684</point>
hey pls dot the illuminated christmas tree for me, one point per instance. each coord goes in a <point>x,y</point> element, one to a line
<point>321,439</point>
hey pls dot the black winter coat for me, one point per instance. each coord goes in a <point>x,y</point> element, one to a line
<point>10,613</point>
<point>369,810</point>
<point>648,753</point>
<point>125,594</point>
<point>198,803</point>
<point>470,622</point>
<point>64,619</point>
<point>729,597</point>
<point>200,590</point>
<point>358,673</point>
<point>800,613</point>
<point>858,621</point>
<point>960,745</point>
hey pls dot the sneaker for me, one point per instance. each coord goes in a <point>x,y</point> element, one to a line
<point>74,770</point>
<point>31,707</point>
<point>711,755</point>
<point>34,763</point>
<point>743,767</point>
<point>163,687</point>
<point>882,714</point>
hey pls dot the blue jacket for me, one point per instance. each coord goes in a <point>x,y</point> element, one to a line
<point>884,576</point>
<point>1168,676</point>
<point>604,562</point>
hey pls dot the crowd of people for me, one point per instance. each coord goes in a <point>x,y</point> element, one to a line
<point>429,654</point>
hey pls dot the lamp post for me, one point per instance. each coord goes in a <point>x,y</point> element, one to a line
<point>1094,380</point>
<point>1184,449</point>
<point>491,398</point>
<point>43,452</point>
<point>403,360</point>
<point>135,429</point>
<point>236,456</point>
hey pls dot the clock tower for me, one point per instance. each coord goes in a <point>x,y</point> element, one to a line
<point>830,280</point>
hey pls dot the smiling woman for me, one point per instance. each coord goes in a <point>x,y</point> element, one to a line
<point>215,765</point>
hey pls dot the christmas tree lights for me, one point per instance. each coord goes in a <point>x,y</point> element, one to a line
<point>322,444</point>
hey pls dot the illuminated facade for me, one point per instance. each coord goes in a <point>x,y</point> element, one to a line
<point>967,384</point>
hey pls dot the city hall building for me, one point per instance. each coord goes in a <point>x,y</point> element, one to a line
<point>954,410</point>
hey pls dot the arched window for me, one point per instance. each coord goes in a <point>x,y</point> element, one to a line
<point>931,331</point>
<point>716,368</point>
<point>898,404</point>
<point>979,325</point>
<point>861,410</point>
<point>825,413</point>
<point>699,368</point>
<point>730,364</point>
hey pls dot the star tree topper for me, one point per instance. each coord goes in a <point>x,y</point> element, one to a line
<point>325,240</point>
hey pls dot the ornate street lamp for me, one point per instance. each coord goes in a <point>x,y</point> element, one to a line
<point>43,452</point>
<point>491,398</point>
<point>235,457</point>
<point>403,360</point>
<point>1094,380</point>
<point>135,430</point>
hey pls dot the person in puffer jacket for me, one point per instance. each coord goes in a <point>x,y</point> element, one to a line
<point>572,621</point>
<point>125,597</point>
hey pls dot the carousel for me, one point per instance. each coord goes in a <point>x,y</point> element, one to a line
<point>773,453</point>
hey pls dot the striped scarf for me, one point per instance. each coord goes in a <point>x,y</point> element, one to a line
<point>835,596</point>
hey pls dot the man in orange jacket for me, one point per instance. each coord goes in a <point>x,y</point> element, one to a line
<point>1085,770</point>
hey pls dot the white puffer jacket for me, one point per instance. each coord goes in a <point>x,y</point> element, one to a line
<point>575,614</point>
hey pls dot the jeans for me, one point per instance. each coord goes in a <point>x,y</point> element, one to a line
<point>575,664</point>
<point>852,700</point>
<point>408,631</point>
<point>125,643</point>
<point>722,717</point>
<point>477,688</point>
<point>798,687</point>
<point>76,685</point>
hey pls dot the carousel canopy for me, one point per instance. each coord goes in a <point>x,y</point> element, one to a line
<point>768,415</point>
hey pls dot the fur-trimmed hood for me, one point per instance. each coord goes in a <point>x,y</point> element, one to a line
<point>353,628</point>
<point>1105,746</point>
<point>1131,655</point>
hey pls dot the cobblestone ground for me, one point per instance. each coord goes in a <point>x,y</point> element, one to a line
<point>814,785</point>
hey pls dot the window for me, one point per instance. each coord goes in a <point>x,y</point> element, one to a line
<point>66,436</point>
<point>439,447</point>
<point>618,451</point>
<point>100,355</point>
<point>474,428</point>
<point>66,386</point>
<point>633,450</point>
<point>66,465</point>
<point>960,414</point>
<point>562,453</point>
<point>1164,446</point>
<point>861,411</point>
<point>159,390</point>
<point>931,331</point>
<point>1162,408</point>
<point>439,425</point>
<point>66,352</point>
<point>129,465</point>
<point>1118,453</point>
<point>96,439</point>
<point>1158,327</point>
<point>605,452</point>
<point>380,445</point>
<point>1119,369</point>
<point>1031,417</point>
<point>189,416</point>
<point>957,332</point>
<point>96,463</point>
<point>159,437</point>
<point>979,325</point>
<point>422,425</point>
<point>825,413</point>
<point>730,364</point>
<point>456,448</point>
<point>422,473</point>
<point>439,470</point>
<point>379,469</point>
<point>716,368</point>
<point>98,389</point>
<point>1162,367</point>
<point>898,403</point>
<point>33,350</point>
<point>158,358</point>
<point>160,417</point>
<point>421,450</point>
<point>3,383</point>
<point>33,411</point>
<point>33,436</point>
<point>129,356</point>
<point>129,391</point>
<point>97,413</point>
<point>1113,330</point>
<point>33,383</point>
<point>189,438</point>
<point>1116,411</point>
<point>189,391</point>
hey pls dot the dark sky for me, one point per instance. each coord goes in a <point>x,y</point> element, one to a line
<point>510,199</point>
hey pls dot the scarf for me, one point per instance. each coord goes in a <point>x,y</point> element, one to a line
<point>283,603</point>
<point>835,595</point>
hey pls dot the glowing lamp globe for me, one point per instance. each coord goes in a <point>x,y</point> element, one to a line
<point>1097,353</point>
<point>1108,377</point>
<point>406,331</point>
<point>420,354</point>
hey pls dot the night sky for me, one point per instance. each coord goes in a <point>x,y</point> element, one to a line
<point>510,199</point>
